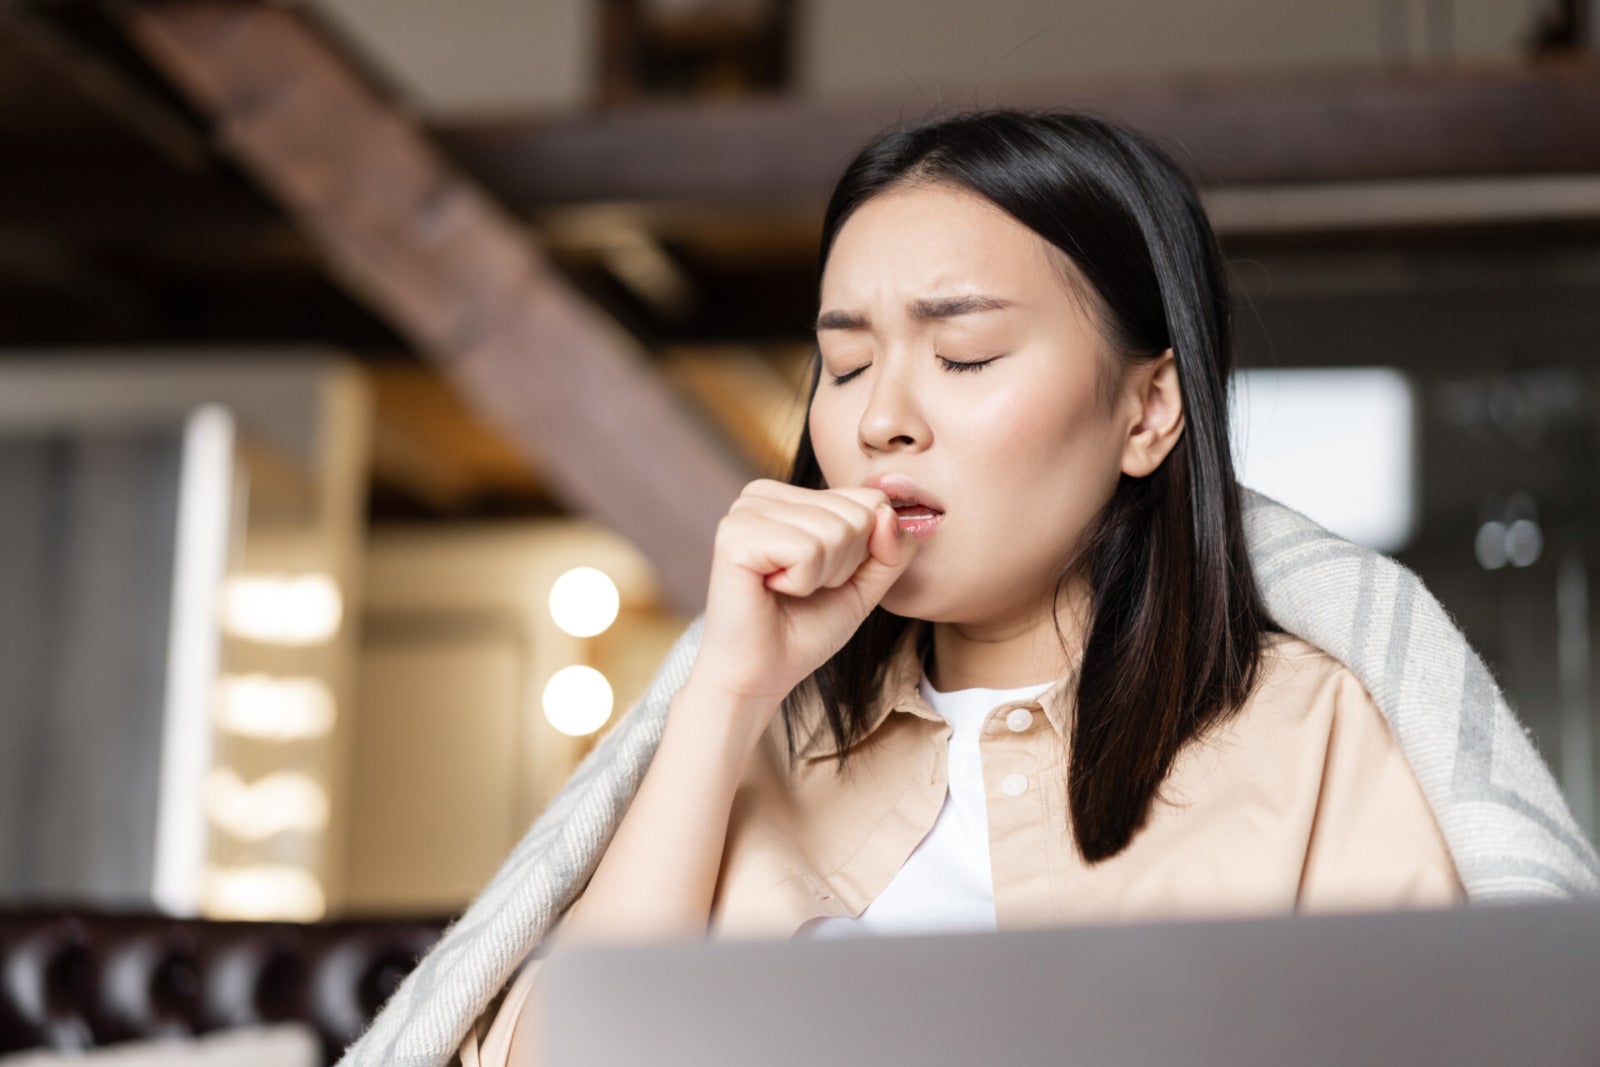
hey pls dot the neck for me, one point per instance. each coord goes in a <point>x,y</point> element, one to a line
<point>1018,651</point>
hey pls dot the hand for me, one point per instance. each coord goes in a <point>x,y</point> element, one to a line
<point>793,574</point>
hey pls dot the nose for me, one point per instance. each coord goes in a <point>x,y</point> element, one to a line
<point>893,418</point>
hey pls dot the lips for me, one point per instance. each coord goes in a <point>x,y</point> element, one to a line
<point>908,499</point>
<point>918,511</point>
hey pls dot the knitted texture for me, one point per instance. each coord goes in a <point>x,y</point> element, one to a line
<point>1503,817</point>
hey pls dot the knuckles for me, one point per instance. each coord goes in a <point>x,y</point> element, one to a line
<point>761,486</point>
<point>853,521</point>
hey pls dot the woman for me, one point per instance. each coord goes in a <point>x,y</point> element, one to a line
<point>1012,518</point>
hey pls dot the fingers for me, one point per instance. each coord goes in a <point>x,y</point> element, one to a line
<point>840,525</point>
<point>840,529</point>
<point>889,543</point>
<point>842,539</point>
<point>892,550</point>
<point>770,489</point>
<point>789,558</point>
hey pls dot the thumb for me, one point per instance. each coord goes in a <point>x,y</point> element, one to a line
<point>889,552</point>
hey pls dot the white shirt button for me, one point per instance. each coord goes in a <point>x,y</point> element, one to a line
<point>1019,719</point>
<point>1014,785</point>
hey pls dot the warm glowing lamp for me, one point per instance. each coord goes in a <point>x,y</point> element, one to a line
<point>282,609</point>
<point>577,700</point>
<point>584,601</point>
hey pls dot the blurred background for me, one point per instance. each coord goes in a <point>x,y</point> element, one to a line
<point>373,373</point>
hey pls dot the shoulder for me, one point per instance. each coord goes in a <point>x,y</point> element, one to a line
<point>1302,700</point>
<point>1375,840</point>
<point>1287,650</point>
<point>1300,681</point>
<point>1300,687</point>
<point>1308,719</point>
<point>1311,729</point>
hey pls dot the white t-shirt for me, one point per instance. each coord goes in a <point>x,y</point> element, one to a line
<point>946,885</point>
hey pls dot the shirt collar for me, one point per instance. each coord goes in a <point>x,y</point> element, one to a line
<point>901,692</point>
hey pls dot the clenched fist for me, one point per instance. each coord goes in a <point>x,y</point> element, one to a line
<point>793,574</point>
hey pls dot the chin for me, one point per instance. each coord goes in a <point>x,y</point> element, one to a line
<point>900,600</point>
<point>912,598</point>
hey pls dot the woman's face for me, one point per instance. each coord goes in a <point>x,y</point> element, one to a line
<point>1020,453</point>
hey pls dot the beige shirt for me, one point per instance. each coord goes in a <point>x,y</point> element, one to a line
<point>1302,802</point>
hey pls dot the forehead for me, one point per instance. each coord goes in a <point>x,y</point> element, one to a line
<point>917,241</point>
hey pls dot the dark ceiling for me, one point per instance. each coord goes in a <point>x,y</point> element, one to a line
<point>122,222</point>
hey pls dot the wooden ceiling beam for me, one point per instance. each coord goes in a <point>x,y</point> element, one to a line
<point>773,160</point>
<point>422,245</point>
<point>1333,125</point>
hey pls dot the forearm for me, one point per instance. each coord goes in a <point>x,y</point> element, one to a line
<point>658,875</point>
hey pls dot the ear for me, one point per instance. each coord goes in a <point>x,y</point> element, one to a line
<point>1155,406</point>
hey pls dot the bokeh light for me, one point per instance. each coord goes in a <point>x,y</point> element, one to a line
<point>577,700</point>
<point>584,601</point>
<point>282,609</point>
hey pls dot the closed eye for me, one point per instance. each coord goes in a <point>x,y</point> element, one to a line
<point>955,365</point>
<point>958,366</point>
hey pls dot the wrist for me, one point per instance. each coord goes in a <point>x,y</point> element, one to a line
<point>733,717</point>
<point>733,687</point>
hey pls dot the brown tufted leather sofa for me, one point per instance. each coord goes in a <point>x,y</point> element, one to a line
<point>73,978</point>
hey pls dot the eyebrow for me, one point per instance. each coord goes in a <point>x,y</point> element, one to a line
<point>944,307</point>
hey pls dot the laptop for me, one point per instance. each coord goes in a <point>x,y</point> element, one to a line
<point>1483,985</point>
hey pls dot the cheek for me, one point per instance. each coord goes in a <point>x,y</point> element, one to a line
<point>1033,426</point>
<point>1042,444</point>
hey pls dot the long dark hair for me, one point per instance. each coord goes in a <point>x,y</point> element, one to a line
<point>1175,617</point>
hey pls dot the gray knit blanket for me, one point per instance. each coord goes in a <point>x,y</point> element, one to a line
<point>1507,825</point>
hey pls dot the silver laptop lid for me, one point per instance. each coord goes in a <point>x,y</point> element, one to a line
<point>1485,985</point>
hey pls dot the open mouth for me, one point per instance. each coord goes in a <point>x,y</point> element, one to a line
<point>916,519</point>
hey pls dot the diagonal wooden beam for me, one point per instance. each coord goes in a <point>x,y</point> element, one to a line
<point>450,270</point>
